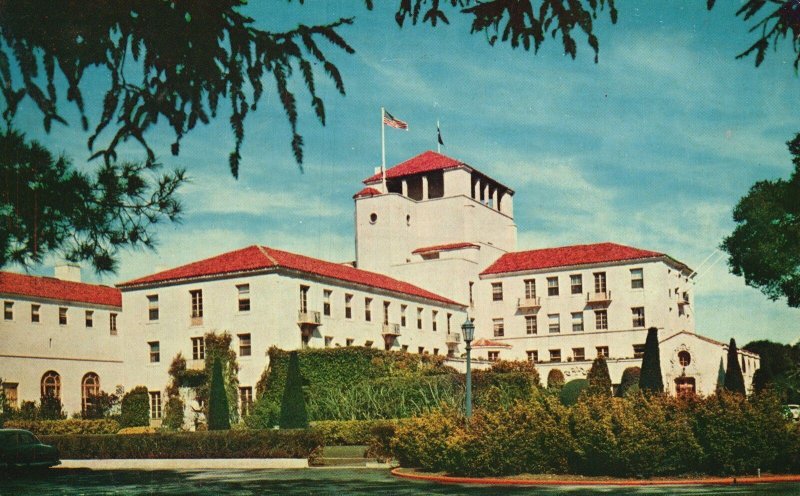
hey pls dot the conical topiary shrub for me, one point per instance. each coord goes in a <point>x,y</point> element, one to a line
<point>218,413</point>
<point>599,378</point>
<point>734,381</point>
<point>293,406</point>
<point>720,376</point>
<point>651,380</point>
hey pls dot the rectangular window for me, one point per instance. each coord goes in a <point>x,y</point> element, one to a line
<point>601,319</point>
<point>552,286</point>
<point>638,350</point>
<point>326,302</point>
<point>421,350</point>
<point>328,341</point>
<point>599,282</point>
<point>434,318</point>
<point>493,356</point>
<point>578,354</point>
<point>244,297</point>
<point>8,310</point>
<point>304,299</point>
<point>152,307</point>
<point>244,345</point>
<point>530,289</point>
<point>404,348</point>
<point>449,317</point>
<point>577,321</point>
<point>637,278</point>
<point>531,325</point>
<point>554,323</point>
<point>349,342</point>
<point>197,304</point>
<point>245,401</point>
<point>638,316</point>
<point>499,328</point>
<point>497,291</point>
<point>62,315</point>
<point>386,312</point>
<point>11,394</point>
<point>35,313</point>
<point>403,309</point>
<point>155,351</point>
<point>419,318</point>
<point>436,352</point>
<point>112,324</point>
<point>155,404</point>
<point>198,348</point>
<point>576,283</point>
<point>471,302</point>
<point>368,344</point>
<point>368,309</point>
<point>348,306</point>
<point>555,355</point>
<point>89,318</point>
<point>602,351</point>
<point>533,356</point>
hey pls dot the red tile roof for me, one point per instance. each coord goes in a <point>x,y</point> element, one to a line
<point>488,343</point>
<point>424,162</point>
<point>366,192</point>
<point>55,289</point>
<point>262,257</point>
<point>451,246</point>
<point>569,255</point>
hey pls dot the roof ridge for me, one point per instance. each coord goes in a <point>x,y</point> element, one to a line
<point>269,257</point>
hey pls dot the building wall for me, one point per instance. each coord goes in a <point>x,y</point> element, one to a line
<point>271,321</point>
<point>29,349</point>
<point>657,297</point>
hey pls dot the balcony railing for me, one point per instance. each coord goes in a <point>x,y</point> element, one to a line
<point>309,317</point>
<point>601,298</point>
<point>453,338</point>
<point>391,329</point>
<point>532,304</point>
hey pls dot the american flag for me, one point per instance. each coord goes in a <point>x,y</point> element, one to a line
<point>391,121</point>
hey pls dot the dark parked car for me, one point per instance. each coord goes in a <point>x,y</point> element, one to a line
<point>20,448</point>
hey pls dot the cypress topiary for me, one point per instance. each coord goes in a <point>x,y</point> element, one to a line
<point>734,381</point>
<point>599,378</point>
<point>218,413</point>
<point>720,376</point>
<point>135,407</point>
<point>630,378</point>
<point>651,380</point>
<point>293,406</point>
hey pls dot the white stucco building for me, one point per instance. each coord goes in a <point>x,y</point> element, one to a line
<point>435,239</point>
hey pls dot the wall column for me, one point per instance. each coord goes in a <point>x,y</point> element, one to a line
<point>495,203</point>
<point>476,191</point>
<point>486,194</point>
<point>424,187</point>
<point>405,188</point>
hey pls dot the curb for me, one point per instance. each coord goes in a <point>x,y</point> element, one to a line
<point>185,464</point>
<point>717,481</point>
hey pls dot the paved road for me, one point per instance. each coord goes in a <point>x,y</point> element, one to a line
<point>306,482</point>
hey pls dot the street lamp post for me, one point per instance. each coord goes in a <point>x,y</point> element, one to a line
<point>468,329</point>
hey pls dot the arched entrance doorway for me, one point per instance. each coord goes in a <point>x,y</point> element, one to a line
<point>685,386</point>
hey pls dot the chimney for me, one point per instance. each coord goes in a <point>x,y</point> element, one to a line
<point>68,272</point>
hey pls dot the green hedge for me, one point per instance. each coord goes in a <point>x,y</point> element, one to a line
<point>350,432</point>
<point>66,426</point>
<point>228,444</point>
<point>634,436</point>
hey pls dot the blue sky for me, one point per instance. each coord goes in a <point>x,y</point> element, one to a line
<point>651,147</point>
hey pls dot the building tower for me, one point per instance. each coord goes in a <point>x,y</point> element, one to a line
<point>438,223</point>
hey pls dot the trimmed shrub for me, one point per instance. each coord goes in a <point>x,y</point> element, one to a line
<point>571,391</point>
<point>650,380</point>
<point>210,444</point>
<point>629,380</point>
<point>135,408</point>
<point>429,441</point>
<point>218,412</point>
<point>142,429</point>
<point>555,379</point>
<point>351,432</point>
<point>218,347</point>
<point>516,366</point>
<point>66,426</point>
<point>50,408</point>
<point>293,406</point>
<point>599,378</point>
<point>173,413</point>
<point>734,381</point>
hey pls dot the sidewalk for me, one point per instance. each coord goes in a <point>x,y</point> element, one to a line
<point>186,464</point>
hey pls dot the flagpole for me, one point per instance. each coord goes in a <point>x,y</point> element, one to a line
<point>438,133</point>
<point>383,151</point>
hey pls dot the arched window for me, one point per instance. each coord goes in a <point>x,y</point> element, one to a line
<point>684,358</point>
<point>51,384</point>
<point>90,388</point>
